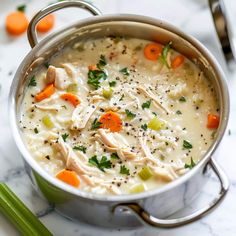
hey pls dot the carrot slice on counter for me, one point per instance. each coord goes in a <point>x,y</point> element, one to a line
<point>46,93</point>
<point>92,67</point>
<point>16,23</point>
<point>68,177</point>
<point>46,23</point>
<point>152,51</point>
<point>111,120</point>
<point>70,97</point>
<point>213,121</point>
<point>177,61</point>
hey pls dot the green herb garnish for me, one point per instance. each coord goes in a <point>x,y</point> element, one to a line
<point>178,112</point>
<point>64,136</point>
<point>182,99</point>
<point>96,124</point>
<point>125,71</point>
<point>102,164</point>
<point>191,165</point>
<point>122,97</point>
<point>114,156</point>
<point>102,62</point>
<point>164,54</point>
<point>146,104</point>
<point>36,130</point>
<point>46,64</point>
<point>129,114</point>
<point>144,127</point>
<point>112,83</point>
<point>21,8</point>
<point>80,148</point>
<point>187,145</point>
<point>32,82</point>
<point>95,77</point>
<point>124,170</point>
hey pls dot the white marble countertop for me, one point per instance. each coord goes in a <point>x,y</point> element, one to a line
<point>193,16</point>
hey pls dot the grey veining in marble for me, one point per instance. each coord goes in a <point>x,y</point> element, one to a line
<point>193,16</point>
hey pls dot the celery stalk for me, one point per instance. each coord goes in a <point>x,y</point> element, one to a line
<point>22,218</point>
<point>145,173</point>
<point>47,122</point>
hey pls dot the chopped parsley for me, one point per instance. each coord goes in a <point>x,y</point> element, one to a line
<point>144,127</point>
<point>178,112</point>
<point>187,145</point>
<point>124,170</point>
<point>129,114</point>
<point>125,71</point>
<point>32,82</point>
<point>114,156</point>
<point>96,124</point>
<point>164,54</point>
<point>122,97</point>
<point>80,148</point>
<point>46,64</point>
<point>65,136</point>
<point>36,130</point>
<point>112,83</point>
<point>146,104</point>
<point>95,77</point>
<point>21,8</point>
<point>182,99</point>
<point>191,165</point>
<point>102,164</point>
<point>102,62</point>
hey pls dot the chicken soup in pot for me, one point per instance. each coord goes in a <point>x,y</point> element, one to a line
<point>118,116</point>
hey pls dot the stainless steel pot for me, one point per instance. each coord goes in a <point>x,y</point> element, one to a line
<point>151,207</point>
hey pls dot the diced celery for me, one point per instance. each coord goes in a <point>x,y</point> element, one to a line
<point>72,88</point>
<point>137,188</point>
<point>47,122</point>
<point>145,173</point>
<point>107,93</point>
<point>155,124</point>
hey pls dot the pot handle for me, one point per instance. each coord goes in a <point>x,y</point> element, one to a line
<point>147,218</point>
<point>31,32</point>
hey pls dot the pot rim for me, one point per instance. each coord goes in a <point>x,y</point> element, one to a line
<point>127,197</point>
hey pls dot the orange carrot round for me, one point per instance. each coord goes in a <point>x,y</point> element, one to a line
<point>70,97</point>
<point>177,61</point>
<point>111,120</point>
<point>152,51</point>
<point>46,93</point>
<point>213,121</point>
<point>46,23</point>
<point>16,23</point>
<point>69,177</point>
<point>92,67</point>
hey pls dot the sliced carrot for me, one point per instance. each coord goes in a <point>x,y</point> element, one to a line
<point>92,67</point>
<point>213,121</point>
<point>68,177</point>
<point>46,93</point>
<point>152,51</point>
<point>177,61</point>
<point>111,120</point>
<point>46,23</point>
<point>16,23</point>
<point>72,98</point>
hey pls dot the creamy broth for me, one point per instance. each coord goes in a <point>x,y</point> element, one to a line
<point>144,123</point>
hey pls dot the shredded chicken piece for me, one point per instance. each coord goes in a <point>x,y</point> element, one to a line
<point>96,98</point>
<point>81,116</point>
<point>114,142</point>
<point>71,71</point>
<point>59,77</point>
<point>48,104</point>
<point>73,162</point>
<point>162,170</point>
<point>151,95</point>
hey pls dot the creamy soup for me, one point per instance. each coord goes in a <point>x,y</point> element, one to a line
<point>118,116</point>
